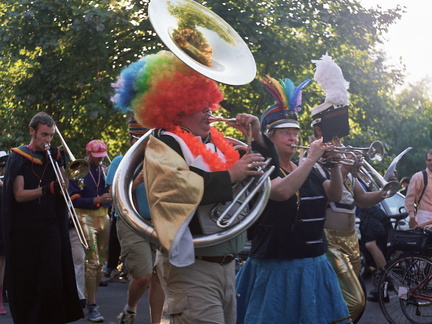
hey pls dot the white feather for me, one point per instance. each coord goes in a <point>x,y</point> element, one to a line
<point>329,75</point>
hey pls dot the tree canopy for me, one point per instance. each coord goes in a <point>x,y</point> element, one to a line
<point>62,57</point>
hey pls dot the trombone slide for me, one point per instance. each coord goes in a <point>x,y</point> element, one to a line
<point>68,201</point>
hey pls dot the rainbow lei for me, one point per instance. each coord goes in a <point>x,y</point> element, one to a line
<point>198,148</point>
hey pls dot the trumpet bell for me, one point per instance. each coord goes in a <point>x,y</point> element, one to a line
<point>77,169</point>
<point>376,152</point>
<point>202,40</point>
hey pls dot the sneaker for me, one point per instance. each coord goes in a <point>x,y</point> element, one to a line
<point>93,314</point>
<point>123,277</point>
<point>128,317</point>
<point>113,275</point>
<point>103,283</point>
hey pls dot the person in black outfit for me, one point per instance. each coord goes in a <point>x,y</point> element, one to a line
<point>39,276</point>
<point>3,158</point>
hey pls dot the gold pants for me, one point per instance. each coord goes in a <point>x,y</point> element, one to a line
<point>96,228</point>
<point>344,255</point>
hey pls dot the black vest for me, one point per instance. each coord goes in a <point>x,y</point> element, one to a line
<point>293,229</point>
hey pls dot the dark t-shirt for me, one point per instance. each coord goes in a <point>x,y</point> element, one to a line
<point>35,175</point>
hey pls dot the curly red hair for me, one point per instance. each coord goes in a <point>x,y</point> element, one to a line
<point>166,88</point>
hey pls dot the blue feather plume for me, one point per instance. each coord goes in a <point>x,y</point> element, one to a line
<point>287,95</point>
<point>296,97</point>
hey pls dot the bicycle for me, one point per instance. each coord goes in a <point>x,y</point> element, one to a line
<point>405,287</point>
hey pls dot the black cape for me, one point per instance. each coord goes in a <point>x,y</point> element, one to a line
<point>17,270</point>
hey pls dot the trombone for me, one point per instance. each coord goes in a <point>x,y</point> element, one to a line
<point>102,167</point>
<point>76,169</point>
<point>67,198</point>
<point>388,188</point>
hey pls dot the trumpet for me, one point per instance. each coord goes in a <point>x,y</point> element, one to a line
<point>68,200</point>
<point>375,152</point>
<point>365,171</point>
<point>76,169</point>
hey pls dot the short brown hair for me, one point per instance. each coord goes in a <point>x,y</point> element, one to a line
<point>41,118</point>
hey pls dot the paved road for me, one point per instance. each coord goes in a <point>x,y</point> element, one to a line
<point>113,298</point>
<point>111,301</point>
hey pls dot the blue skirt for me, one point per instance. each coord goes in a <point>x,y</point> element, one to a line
<point>289,291</point>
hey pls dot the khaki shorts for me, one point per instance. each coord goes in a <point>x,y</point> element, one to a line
<point>138,254</point>
<point>203,292</point>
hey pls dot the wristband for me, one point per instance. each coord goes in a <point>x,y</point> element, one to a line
<point>45,190</point>
<point>48,189</point>
<point>51,186</point>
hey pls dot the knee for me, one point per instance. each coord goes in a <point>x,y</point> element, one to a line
<point>143,280</point>
<point>371,245</point>
<point>93,265</point>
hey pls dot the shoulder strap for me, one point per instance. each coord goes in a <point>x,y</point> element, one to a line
<point>425,183</point>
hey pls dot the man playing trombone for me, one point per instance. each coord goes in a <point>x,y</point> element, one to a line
<point>40,277</point>
<point>92,201</point>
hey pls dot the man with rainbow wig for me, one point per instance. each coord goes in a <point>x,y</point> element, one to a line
<point>188,166</point>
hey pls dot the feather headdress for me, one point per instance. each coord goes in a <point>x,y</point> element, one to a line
<point>330,77</point>
<point>288,103</point>
<point>332,115</point>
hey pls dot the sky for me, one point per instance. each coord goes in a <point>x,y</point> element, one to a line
<point>410,38</point>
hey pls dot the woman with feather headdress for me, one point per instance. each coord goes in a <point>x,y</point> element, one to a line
<point>287,278</point>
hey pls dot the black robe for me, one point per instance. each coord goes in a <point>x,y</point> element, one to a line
<point>39,276</point>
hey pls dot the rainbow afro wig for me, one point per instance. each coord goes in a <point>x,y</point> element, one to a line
<point>160,88</point>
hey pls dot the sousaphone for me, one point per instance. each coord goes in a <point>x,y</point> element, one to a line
<point>207,44</point>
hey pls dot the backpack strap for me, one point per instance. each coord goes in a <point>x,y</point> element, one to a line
<point>425,183</point>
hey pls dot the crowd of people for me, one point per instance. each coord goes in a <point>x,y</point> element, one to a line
<point>305,258</point>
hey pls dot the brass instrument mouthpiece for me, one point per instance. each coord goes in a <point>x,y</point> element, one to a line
<point>213,119</point>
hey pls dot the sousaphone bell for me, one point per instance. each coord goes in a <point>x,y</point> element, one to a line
<point>203,41</point>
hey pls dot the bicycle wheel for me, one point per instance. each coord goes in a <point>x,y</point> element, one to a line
<point>405,290</point>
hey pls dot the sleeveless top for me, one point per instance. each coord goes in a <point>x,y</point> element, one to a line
<point>293,229</point>
<point>346,204</point>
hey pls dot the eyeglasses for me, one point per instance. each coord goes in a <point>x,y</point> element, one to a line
<point>288,133</point>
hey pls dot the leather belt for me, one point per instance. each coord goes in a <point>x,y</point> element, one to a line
<point>224,259</point>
